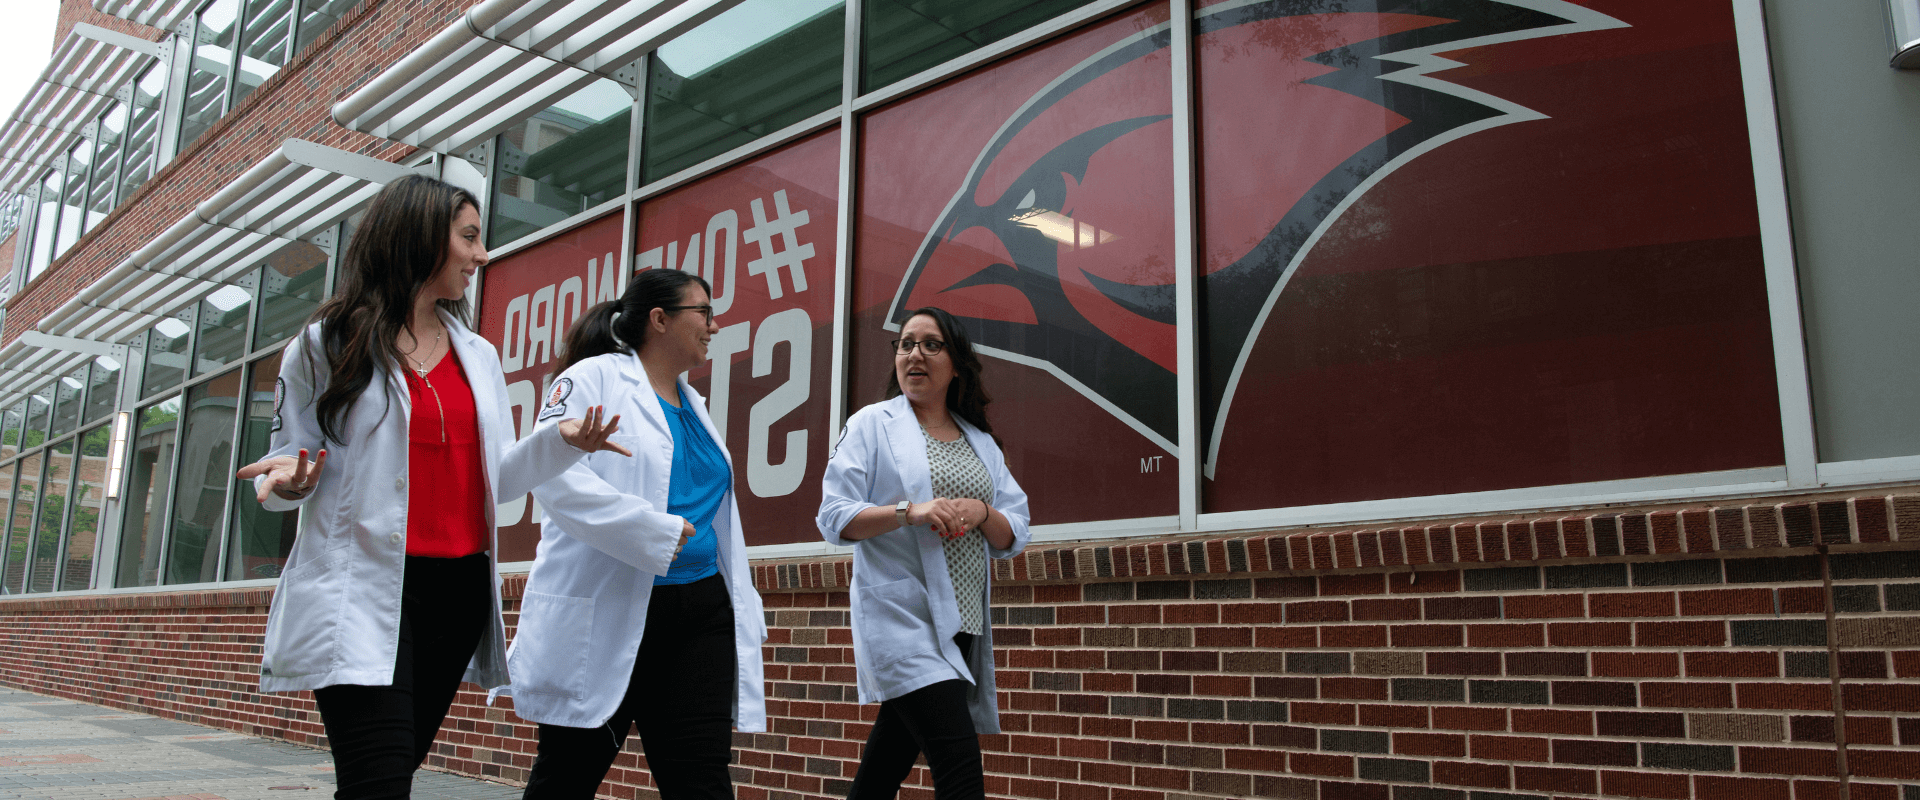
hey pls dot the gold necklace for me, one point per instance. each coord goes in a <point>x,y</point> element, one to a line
<point>420,367</point>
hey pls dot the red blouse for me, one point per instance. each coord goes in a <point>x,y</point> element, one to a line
<point>447,492</point>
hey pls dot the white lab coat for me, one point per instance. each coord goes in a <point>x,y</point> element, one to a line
<point>604,535</point>
<point>903,598</point>
<point>336,615</point>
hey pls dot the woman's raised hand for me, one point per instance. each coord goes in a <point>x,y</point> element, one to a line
<point>291,478</point>
<point>590,434</point>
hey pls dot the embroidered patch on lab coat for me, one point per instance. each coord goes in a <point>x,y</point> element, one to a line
<point>557,400</point>
<point>279,401</point>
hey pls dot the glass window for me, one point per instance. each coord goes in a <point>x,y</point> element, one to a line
<point>260,540</point>
<point>263,44</point>
<point>20,524</point>
<point>316,16</point>
<point>103,387</point>
<point>292,286</point>
<point>149,474</point>
<point>10,438</point>
<point>67,394</point>
<point>206,470</point>
<point>39,408</point>
<point>46,222</point>
<point>89,496</point>
<point>143,131</point>
<point>903,37</point>
<point>73,211</point>
<point>103,187</point>
<point>45,558</point>
<point>208,73</point>
<point>752,70</point>
<point>7,475</point>
<point>223,328</point>
<point>561,161</point>
<point>166,355</point>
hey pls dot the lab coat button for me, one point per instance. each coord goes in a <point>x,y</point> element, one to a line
<point>396,538</point>
<point>399,483</point>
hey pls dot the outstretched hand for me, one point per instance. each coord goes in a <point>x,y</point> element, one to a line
<point>590,434</point>
<point>289,477</point>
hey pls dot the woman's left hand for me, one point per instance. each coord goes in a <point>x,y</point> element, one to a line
<point>590,435</point>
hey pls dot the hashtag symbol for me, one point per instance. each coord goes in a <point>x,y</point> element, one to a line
<point>791,256</point>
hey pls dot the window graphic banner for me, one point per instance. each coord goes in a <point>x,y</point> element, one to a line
<point>1033,199</point>
<point>762,233</point>
<point>527,302</point>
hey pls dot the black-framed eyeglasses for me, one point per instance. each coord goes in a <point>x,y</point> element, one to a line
<point>705,310</point>
<point>931,347</point>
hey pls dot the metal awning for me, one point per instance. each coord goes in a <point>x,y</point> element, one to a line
<point>295,192</point>
<point>162,14</point>
<point>73,91</point>
<point>528,54</point>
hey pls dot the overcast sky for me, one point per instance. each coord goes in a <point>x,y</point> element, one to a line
<point>26,42</point>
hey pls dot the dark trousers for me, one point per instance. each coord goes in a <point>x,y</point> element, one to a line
<point>681,698</point>
<point>381,734</point>
<point>933,720</point>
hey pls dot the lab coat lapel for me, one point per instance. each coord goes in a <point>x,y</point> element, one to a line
<point>644,396</point>
<point>909,449</point>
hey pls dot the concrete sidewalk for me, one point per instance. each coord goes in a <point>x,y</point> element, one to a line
<point>52,749</point>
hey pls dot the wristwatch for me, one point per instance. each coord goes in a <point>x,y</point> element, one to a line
<point>900,512</point>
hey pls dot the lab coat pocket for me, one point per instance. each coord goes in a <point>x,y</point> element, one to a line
<point>301,635</point>
<point>550,650</point>
<point>897,621</point>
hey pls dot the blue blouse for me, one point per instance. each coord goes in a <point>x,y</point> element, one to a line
<point>700,482</point>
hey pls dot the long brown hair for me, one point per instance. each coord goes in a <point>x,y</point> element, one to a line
<point>598,333</point>
<point>400,244</point>
<point>966,393</point>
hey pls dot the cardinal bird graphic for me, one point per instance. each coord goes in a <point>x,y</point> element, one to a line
<point>1064,221</point>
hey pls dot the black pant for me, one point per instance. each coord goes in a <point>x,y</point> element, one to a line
<point>932,720</point>
<point>381,734</point>
<point>681,697</point>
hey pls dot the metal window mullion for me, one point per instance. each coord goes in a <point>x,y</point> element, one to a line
<point>63,538</point>
<point>173,101</point>
<point>243,401</point>
<point>841,388</point>
<point>179,443</point>
<point>1186,308</point>
<point>1791,374</point>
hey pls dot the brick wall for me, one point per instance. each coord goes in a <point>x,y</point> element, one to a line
<point>1705,666</point>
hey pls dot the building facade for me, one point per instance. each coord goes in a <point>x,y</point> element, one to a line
<point>1418,398</point>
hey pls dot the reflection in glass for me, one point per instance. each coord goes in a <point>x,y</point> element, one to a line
<point>39,408</point>
<point>89,496</point>
<point>10,432</point>
<point>223,328</point>
<point>150,473</point>
<point>143,131</point>
<point>903,37</point>
<point>46,223</point>
<point>102,188</point>
<point>206,470</point>
<point>316,16</point>
<point>208,74</point>
<point>20,524</point>
<point>561,161</point>
<point>260,539</point>
<point>752,70</point>
<point>45,558</point>
<point>103,383</point>
<point>7,474</point>
<point>66,402</point>
<point>293,284</point>
<point>166,355</point>
<point>73,205</point>
<point>263,44</point>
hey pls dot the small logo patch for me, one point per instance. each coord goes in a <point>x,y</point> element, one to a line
<point>557,400</point>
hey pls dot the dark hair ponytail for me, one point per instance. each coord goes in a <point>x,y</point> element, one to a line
<point>967,393</point>
<point>597,332</point>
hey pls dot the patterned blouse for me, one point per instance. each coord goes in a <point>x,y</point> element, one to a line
<point>958,472</point>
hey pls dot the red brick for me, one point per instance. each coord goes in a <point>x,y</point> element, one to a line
<point>1636,665</point>
<point>1353,636</point>
<point>1292,736</point>
<point>1323,713</point>
<point>1644,784</point>
<point>1555,779</point>
<point>1192,614</point>
<point>1631,604</point>
<point>1594,752</point>
<point>1331,766</point>
<point>1288,637</point>
<point>1721,664</point>
<point>1430,744</point>
<point>1547,606</point>
<point>1857,790</point>
<point>1803,600</point>
<point>1726,602</point>
<point>1906,664</point>
<point>1472,773</point>
<point>1590,634</point>
<point>1216,637</point>
<point>1354,688</point>
<point>1386,609</point>
<point>1552,663</point>
<point>1870,730</point>
<point>1910,731</point>
<point>1428,635</point>
<point>1900,698</point>
<point>1249,613</point>
<point>1368,583</point>
<point>1552,720</point>
<point>1816,790</point>
<point>1802,696</point>
<point>1903,765</point>
<point>1341,790</point>
<point>1510,748</point>
<point>1686,694</point>
<point>1715,787</point>
<point>1641,724</point>
<point>1312,611</point>
<point>1425,582</point>
<point>1220,686</point>
<point>1402,715</point>
<point>1463,663</point>
<point>1466,718</point>
<point>1790,761</point>
<point>1286,688</point>
<point>1691,633</point>
<point>1260,760</point>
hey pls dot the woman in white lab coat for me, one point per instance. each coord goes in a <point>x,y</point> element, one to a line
<point>919,486</point>
<point>390,596</point>
<point>640,608</point>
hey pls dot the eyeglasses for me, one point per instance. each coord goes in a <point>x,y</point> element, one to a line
<point>931,347</point>
<point>705,310</point>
